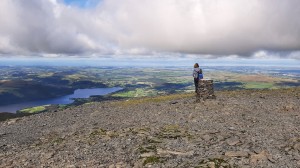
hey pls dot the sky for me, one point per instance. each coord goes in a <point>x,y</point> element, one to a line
<point>181,29</point>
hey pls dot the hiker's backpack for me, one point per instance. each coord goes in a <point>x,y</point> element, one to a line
<point>200,74</point>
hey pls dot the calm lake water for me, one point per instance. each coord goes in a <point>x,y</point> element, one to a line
<point>79,93</point>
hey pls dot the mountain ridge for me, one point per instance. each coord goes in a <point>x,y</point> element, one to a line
<point>245,128</point>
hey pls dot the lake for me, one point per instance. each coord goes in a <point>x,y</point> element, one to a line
<point>79,93</point>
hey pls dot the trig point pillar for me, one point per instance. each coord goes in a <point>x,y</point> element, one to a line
<point>205,89</point>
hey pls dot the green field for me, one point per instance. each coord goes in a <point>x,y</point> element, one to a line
<point>259,85</point>
<point>20,84</point>
<point>32,110</point>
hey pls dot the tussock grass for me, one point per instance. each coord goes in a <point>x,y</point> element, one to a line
<point>163,98</point>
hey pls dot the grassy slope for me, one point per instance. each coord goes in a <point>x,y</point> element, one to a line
<point>32,110</point>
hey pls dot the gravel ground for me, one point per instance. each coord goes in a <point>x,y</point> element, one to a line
<point>238,129</point>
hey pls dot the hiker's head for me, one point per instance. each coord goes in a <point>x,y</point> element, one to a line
<point>196,65</point>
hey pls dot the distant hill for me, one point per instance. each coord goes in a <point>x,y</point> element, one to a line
<point>247,128</point>
<point>21,91</point>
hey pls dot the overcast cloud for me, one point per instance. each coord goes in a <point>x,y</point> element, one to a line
<point>148,27</point>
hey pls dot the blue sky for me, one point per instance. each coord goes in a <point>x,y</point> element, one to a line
<point>82,3</point>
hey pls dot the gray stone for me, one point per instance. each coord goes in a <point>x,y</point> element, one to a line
<point>205,90</point>
<point>232,141</point>
<point>147,154</point>
<point>297,146</point>
<point>236,154</point>
<point>206,137</point>
<point>211,164</point>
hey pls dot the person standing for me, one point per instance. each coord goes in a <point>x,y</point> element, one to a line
<point>196,75</point>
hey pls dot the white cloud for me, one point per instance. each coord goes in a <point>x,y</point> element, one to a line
<point>294,55</point>
<point>141,27</point>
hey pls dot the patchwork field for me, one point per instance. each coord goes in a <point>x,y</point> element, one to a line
<point>20,84</point>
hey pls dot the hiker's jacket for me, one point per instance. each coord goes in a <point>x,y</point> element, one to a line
<point>196,72</point>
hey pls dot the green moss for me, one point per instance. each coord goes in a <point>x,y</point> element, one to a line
<point>190,137</point>
<point>146,149</point>
<point>145,129</point>
<point>112,134</point>
<point>58,140</point>
<point>98,132</point>
<point>171,128</point>
<point>143,150</point>
<point>152,160</point>
<point>152,148</point>
<point>218,162</point>
<point>172,132</point>
<point>154,141</point>
<point>170,135</point>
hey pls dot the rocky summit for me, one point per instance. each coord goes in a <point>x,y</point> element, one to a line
<point>248,128</point>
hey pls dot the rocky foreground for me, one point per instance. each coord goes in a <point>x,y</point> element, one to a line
<point>238,129</point>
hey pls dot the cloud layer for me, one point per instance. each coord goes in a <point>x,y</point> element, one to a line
<point>141,27</point>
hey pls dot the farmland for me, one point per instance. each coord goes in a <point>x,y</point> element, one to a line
<point>21,84</point>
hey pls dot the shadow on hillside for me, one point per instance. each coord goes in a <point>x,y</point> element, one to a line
<point>5,116</point>
<point>55,108</point>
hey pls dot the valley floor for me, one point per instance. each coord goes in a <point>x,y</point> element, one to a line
<point>248,128</point>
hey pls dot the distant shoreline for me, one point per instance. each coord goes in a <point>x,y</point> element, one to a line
<point>66,99</point>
